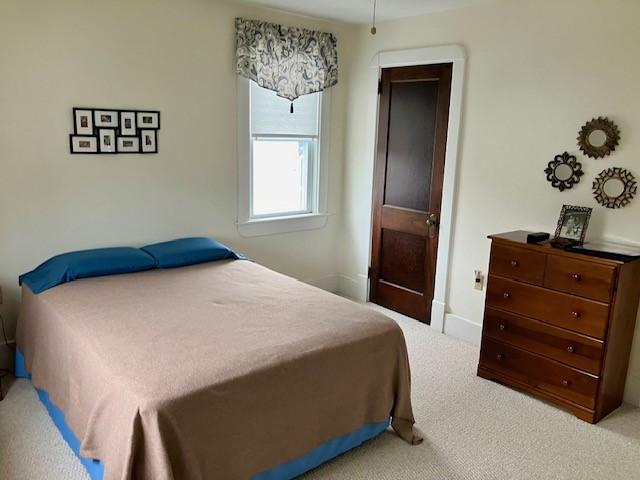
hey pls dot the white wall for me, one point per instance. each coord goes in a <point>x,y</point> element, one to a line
<point>174,56</point>
<point>536,72</point>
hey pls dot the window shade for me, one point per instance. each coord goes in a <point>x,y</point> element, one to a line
<point>270,114</point>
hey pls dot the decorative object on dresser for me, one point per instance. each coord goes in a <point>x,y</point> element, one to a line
<point>615,187</point>
<point>572,225</point>
<point>114,131</point>
<point>537,237</point>
<point>559,324</point>
<point>564,171</point>
<point>598,137</point>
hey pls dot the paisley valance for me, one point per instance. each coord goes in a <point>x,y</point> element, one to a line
<point>288,60</point>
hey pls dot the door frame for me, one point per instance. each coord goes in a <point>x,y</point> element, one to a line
<point>455,55</point>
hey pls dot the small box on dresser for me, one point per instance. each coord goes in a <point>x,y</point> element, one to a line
<point>559,324</point>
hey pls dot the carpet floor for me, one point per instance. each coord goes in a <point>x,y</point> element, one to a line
<point>474,429</point>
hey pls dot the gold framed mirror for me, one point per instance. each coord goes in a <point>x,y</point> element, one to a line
<point>598,137</point>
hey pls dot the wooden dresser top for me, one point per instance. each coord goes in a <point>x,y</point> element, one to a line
<point>519,238</point>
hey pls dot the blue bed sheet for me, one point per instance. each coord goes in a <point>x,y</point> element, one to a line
<point>285,471</point>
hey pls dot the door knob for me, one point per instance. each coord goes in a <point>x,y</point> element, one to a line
<point>432,224</point>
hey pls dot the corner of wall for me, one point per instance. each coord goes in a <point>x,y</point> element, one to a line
<point>353,288</point>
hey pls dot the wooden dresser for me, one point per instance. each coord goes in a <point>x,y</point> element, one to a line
<point>559,324</point>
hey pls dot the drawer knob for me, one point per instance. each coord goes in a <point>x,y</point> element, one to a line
<point>570,349</point>
<point>576,276</point>
<point>506,295</point>
<point>566,383</point>
<point>502,327</point>
<point>514,263</point>
<point>576,314</point>
<point>499,357</point>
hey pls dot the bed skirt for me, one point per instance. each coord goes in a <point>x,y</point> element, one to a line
<point>286,471</point>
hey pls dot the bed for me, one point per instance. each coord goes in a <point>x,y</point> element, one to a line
<point>217,370</point>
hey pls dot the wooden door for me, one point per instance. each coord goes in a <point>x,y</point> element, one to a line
<point>407,192</point>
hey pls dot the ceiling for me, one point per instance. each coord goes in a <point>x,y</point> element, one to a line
<point>360,11</point>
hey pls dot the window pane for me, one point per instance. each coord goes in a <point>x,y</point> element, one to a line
<point>271,115</point>
<point>281,176</point>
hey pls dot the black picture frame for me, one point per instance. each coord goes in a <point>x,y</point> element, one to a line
<point>145,126</point>
<point>124,130</point>
<point>143,134</point>
<point>115,140</point>
<point>75,151</point>
<point>93,131</point>
<point>76,131</point>
<point>98,122</point>
<point>572,225</point>
<point>121,149</point>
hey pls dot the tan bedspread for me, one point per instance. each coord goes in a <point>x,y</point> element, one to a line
<point>215,371</point>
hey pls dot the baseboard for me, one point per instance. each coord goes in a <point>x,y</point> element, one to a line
<point>462,328</point>
<point>353,288</point>
<point>632,390</point>
<point>330,283</point>
<point>438,315</point>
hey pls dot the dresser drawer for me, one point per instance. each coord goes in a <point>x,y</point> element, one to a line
<point>518,264</point>
<point>580,277</point>
<point>567,347</point>
<point>540,372</point>
<point>566,311</point>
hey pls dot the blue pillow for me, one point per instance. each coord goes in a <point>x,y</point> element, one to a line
<point>189,251</point>
<point>84,264</point>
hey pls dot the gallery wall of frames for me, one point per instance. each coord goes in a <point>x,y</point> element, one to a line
<point>112,131</point>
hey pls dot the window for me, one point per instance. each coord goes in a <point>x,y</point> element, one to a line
<point>284,148</point>
<point>282,170</point>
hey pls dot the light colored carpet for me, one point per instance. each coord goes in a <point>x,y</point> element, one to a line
<point>474,429</point>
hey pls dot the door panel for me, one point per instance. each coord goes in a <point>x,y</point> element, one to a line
<point>411,137</point>
<point>409,170</point>
<point>402,259</point>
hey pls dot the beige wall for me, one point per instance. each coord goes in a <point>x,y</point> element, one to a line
<point>174,56</point>
<point>536,72</point>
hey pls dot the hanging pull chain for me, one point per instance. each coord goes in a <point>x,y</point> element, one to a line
<point>373,26</point>
<point>291,109</point>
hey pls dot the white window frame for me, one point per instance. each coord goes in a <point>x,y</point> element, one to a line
<point>269,225</point>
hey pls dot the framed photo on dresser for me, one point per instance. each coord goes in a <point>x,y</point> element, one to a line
<point>572,225</point>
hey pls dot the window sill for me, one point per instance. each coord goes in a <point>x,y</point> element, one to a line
<point>275,225</point>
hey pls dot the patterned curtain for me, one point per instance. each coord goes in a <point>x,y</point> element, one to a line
<point>290,61</point>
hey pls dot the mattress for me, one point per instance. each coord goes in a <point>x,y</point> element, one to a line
<point>221,370</point>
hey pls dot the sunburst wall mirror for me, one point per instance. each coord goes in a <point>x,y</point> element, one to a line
<point>598,137</point>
